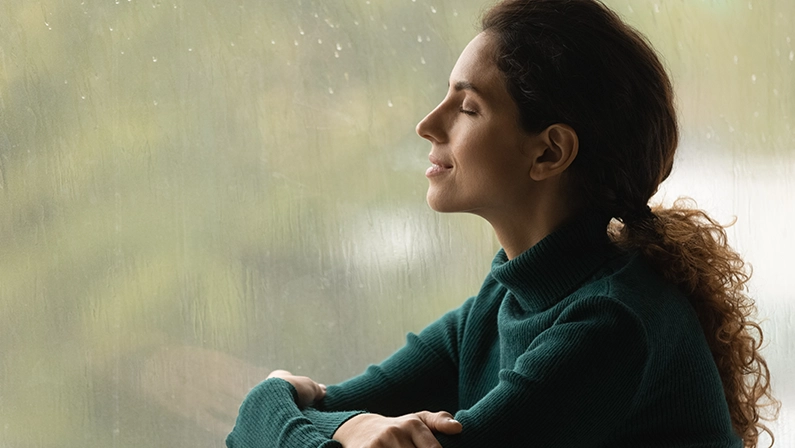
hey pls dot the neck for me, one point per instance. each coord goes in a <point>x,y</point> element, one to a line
<point>520,230</point>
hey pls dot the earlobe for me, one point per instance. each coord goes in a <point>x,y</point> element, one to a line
<point>556,149</point>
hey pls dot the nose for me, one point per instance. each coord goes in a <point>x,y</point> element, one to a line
<point>430,127</point>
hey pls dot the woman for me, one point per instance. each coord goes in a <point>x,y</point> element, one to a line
<point>558,118</point>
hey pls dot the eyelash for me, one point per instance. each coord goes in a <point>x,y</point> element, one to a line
<point>468,112</point>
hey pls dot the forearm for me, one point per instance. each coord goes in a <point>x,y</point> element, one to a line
<point>415,378</point>
<point>269,417</point>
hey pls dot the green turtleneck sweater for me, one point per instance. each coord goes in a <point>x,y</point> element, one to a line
<point>571,344</point>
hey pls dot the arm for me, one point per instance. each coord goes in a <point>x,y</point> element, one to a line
<point>421,375</point>
<point>573,385</point>
<point>575,382</point>
<point>269,417</point>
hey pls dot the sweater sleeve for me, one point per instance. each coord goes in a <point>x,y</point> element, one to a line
<point>423,375</point>
<point>571,386</point>
<point>269,417</point>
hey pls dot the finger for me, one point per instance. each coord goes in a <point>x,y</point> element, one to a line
<point>442,422</point>
<point>422,437</point>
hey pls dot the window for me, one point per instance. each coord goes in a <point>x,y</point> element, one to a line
<point>194,193</point>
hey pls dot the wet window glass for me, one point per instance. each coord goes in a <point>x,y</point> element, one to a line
<point>193,193</point>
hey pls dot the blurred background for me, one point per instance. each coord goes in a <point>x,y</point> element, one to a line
<point>193,193</point>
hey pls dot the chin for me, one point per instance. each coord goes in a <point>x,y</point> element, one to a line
<point>440,204</point>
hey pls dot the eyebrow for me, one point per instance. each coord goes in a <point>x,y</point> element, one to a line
<point>466,85</point>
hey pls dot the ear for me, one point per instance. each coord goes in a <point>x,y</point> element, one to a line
<point>555,149</point>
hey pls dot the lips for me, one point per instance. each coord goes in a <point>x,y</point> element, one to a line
<point>438,166</point>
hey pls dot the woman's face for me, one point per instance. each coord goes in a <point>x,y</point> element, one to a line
<point>478,159</point>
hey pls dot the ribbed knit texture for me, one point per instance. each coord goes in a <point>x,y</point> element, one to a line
<point>571,344</point>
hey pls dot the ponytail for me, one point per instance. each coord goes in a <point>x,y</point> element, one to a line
<point>576,62</point>
<point>690,250</point>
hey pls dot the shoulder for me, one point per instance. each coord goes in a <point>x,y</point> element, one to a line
<point>630,284</point>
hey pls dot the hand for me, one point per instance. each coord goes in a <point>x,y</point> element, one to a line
<point>309,391</point>
<point>409,431</point>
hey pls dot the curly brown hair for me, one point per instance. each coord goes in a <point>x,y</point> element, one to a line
<point>690,249</point>
<point>576,62</point>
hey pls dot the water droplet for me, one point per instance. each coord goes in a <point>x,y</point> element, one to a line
<point>65,81</point>
<point>154,102</point>
<point>336,54</point>
<point>110,28</point>
<point>756,114</point>
<point>320,41</point>
<point>82,97</point>
<point>455,13</point>
<point>750,5</point>
<point>273,42</point>
<point>775,92</point>
<point>731,129</point>
<point>427,38</point>
<point>753,79</point>
<point>389,103</point>
<point>154,59</point>
<point>656,8</point>
<point>736,59</point>
<point>339,47</point>
<point>295,42</point>
<point>433,10</point>
<point>422,60</point>
<point>791,55</point>
<point>232,44</point>
<point>300,31</point>
<point>788,39</point>
<point>419,38</point>
<point>709,135</point>
<point>331,91</point>
<point>190,49</point>
<point>402,28</point>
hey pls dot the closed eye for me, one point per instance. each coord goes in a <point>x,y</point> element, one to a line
<point>468,112</point>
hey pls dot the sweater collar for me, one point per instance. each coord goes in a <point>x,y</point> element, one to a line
<point>558,264</point>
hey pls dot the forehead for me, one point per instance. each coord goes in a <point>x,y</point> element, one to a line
<point>477,66</point>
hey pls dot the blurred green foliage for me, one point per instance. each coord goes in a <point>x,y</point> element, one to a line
<point>242,177</point>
